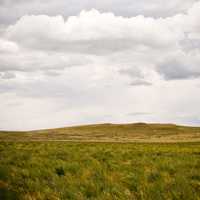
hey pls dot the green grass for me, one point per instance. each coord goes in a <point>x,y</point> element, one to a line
<point>99,171</point>
<point>137,132</point>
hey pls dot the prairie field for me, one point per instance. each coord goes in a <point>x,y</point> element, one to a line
<point>56,170</point>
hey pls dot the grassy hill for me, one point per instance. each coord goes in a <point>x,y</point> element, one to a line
<point>135,132</point>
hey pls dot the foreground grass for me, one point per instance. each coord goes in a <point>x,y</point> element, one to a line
<point>60,170</point>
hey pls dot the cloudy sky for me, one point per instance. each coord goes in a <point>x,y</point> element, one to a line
<point>67,62</point>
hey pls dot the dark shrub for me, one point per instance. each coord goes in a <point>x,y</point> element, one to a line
<point>60,171</point>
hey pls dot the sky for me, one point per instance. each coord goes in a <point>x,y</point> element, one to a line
<point>69,62</point>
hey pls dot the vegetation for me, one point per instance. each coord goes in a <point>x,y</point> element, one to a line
<point>99,171</point>
<point>138,132</point>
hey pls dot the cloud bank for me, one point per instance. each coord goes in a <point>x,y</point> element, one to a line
<point>99,66</point>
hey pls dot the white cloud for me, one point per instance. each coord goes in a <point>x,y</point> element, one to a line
<point>92,32</point>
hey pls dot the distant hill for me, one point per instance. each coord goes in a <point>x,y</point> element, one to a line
<point>133,132</point>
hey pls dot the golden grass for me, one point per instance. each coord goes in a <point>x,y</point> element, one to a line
<point>135,132</point>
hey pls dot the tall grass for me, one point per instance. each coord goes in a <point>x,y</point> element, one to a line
<point>99,171</point>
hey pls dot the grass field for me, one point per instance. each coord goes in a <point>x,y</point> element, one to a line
<point>101,171</point>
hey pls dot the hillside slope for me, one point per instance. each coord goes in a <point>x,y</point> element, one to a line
<point>135,132</point>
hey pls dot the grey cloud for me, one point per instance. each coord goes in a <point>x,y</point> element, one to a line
<point>175,69</point>
<point>12,10</point>
<point>190,44</point>
<point>95,47</point>
<point>132,72</point>
<point>139,82</point>
<point>136,75</point>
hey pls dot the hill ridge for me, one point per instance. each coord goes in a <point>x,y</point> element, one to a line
<point>108,132</point>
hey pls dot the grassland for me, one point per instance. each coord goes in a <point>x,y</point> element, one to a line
<point>99,171</point>
<point>137,132</point>
<point>101,162</point>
